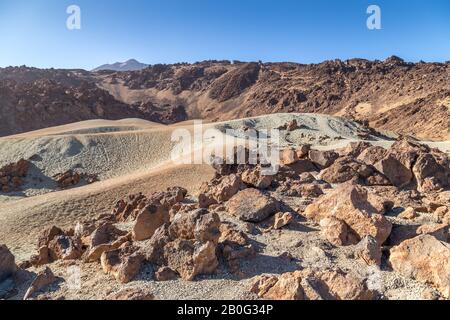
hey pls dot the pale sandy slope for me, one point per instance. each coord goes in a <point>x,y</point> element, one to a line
<point>129,156</point>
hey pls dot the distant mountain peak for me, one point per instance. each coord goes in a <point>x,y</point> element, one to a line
<point>129,65</point>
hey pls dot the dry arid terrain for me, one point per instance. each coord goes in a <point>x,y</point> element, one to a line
<point>409,98</point>
<point>359,207</point>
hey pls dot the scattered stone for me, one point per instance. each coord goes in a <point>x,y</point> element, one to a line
<point>65,248</point>
<point>398,174</point>
<point>12,176</point>
<point>190,259</point>
<point>429,174</point>
<point>354,149</point>
<point>439,231</point>
<point>369,250</point>
<point>442,215</point>
<point>132,294</point>
<point>219,190</point>
<point>282,219</point>
<point>43,280</point>
<point>372,155</point>
<point>408,214</point>
<point>288,156</point>
<point>303,151</point>
<point>48,235</point>
<point>165,274</point>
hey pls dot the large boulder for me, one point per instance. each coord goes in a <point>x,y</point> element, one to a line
<point>347,168</point>
<point>372,155</point>
<point>219,190</point>
<point>7,263</point>
<point>149,219</point>
<point>42,280</point>
<point>311,285</point>
<point>323,159</point>
<point>354,149</point>
<point>199,224</point>
<point>393,169</point>
<point>123,263</point>
<point>359,210</point>
<point>425,259</point>
<point>254,177</point>
<point>190,258</point>
<point>104,238</point>
<point>188,245</point>
<point>65,248</point>
<point>252,205</point>
<point>429,174</point>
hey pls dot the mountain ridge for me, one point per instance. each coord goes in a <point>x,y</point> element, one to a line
<point>129,65</point>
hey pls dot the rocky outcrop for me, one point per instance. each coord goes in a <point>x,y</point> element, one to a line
<point>347,168</point>
<point>12,176</point>
<point>7,263</point>
<point>323,159</point>
<point>425,259</point>
<point>123,263</point>
<point>42,280</point>
<point>252,205</point>
<point>72,178</point>
<point>354,206</point>
<point>311,285</point>
<point>155,212</point>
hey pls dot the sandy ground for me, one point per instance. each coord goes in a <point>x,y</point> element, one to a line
<point>134,155</point>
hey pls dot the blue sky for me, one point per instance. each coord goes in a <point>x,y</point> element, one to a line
<point>34,32</point>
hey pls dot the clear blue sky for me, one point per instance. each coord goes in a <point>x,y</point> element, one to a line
<point>34,32</point>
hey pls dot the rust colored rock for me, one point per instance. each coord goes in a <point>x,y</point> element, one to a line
<point>7,263</point>
<point>282,219</point>
<point>42,280</point>
<point>337,232</point>
<point>190,259</point>
<point>425,259</point>
<point>369,250</point>
<point>323,159</point>
<point>132,294</point>
<point>252,205</point>
<point>123,263</point>
<point>311,285</point>
<point>48,235</point>
<point>106,237</point>
<point>65,248</point>
<point>397,173</point>
<point>353,204</point>
<point>254,177</point>
<point>165,274</point>
<point>148,220</point>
